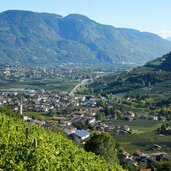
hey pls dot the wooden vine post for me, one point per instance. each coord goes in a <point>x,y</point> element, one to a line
<point>17,128</point>
<point>27,133</point>
<point>35,143</point>
<point>8,123</point>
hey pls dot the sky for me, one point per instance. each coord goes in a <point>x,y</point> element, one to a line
<point>144,15</point>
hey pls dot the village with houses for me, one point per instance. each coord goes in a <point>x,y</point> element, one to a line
<point>79,116</point>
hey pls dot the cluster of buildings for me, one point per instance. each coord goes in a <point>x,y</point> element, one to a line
<point>43,101</point>
<point>142,161</point>
<point>67,110</point>
<point>60,71</point>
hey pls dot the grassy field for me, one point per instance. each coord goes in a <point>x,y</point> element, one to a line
<point>44,83</point>
<point>143,133</point>
<point>37,115</point>
<point>142,125</point>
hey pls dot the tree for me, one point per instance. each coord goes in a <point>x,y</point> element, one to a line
<point>100,116</point>
<point>163,166</point>
<point>102,144</point>
<point>119,113</point>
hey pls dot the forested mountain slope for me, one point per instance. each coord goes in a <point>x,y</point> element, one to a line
<point>41,38</point>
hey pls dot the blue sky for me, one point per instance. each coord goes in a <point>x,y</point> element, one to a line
<point>145,15</point>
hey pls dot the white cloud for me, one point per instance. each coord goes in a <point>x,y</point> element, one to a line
<point>63,12</point>
<point>165,33</point>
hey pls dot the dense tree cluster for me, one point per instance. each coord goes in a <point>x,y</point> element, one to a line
<point>102,144</point>
<point>165,129</point>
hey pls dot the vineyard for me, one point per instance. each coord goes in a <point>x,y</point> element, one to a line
<point>24,146</point>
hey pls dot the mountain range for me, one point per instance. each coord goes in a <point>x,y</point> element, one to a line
<point>42,38</point>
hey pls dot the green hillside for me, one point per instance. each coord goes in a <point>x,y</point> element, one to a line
<point>41,38</point>
<point>144,89</point>
<point>163,63</point>
<point>153,73</point>
<point>53,152</point>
